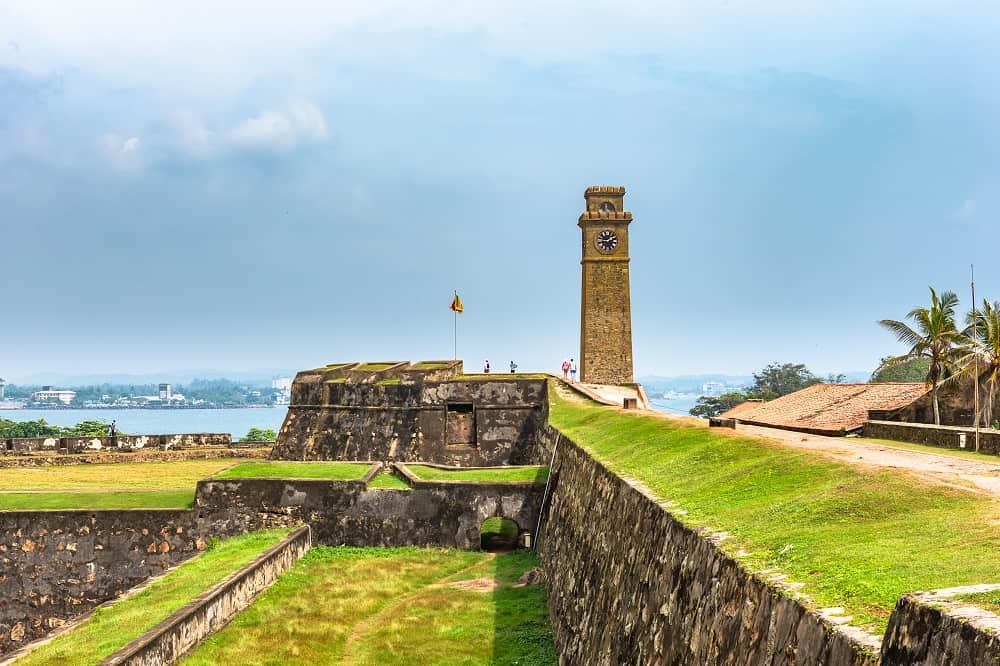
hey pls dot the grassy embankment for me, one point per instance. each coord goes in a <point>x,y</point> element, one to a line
<point>427,473</point>
<point>109,629</point>
<point>389,606</point>
<point>855,537</point>
<point>127,485</point>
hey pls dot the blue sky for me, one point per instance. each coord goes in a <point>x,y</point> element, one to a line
<point>233,187</point>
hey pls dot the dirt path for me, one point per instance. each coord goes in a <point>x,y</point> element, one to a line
<point>982,477</point>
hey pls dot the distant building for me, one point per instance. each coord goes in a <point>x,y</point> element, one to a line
<point>164,392</point>
<point>47,394</point>
<point>2,385</point>
<point>284,387</point>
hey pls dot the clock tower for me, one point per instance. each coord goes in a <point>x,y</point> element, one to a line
<point>605,308</point>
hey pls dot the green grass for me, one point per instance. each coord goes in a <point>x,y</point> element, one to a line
<point>125,485</point>
<point>388,382</point>
<point>296,470</point>
<point>124,476</point>
<point>374,367</point>
<point>161,499</point>
<point>988,600</point>
<point>336,380</point>
<point>390,606</point>
<point>855,537</point>
<point>388,480</point>
<point>110,629</point>
<point>427,473</point>
<point>430,365</point>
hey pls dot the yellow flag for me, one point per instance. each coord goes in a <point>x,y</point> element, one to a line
<point>456,304</point>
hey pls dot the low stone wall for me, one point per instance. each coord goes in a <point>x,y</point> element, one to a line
<point>210,612</point>
<point>445,514</point>
<point>56,565</point>
<point>30,445</point>
<point>933,629</point>
<point>944,436</point>
<point>630,584</point>
<point>138,455</point>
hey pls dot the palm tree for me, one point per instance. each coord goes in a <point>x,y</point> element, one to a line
<point>934,338</point>
<point>981,355</point>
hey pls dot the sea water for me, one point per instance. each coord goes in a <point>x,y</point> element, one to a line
<point>235,421</point>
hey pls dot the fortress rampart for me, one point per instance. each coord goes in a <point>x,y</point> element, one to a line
<point>427,411</point>
<point>650,590</point>
<point>627,581</point>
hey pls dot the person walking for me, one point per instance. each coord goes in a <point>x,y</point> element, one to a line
<point>486,367</point>
<point>565,369</point>
<point>113,428</point>
<point>572,371</point>
<point>513,367</point>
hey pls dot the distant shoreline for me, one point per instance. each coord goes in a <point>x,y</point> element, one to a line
<point>61,408</point>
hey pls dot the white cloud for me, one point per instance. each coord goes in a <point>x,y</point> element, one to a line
<point>224,44</point>
<point>967,209</point>
<point>300,123</point>
<point>185,136</point>
<point>125,153</point>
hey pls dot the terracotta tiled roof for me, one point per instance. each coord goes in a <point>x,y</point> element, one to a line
<point>829,407</point>
<point>742,408</point>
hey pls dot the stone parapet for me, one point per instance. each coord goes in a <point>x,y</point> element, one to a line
<point>948,437</point>
<point>937,629</point>
<point>20,446</point>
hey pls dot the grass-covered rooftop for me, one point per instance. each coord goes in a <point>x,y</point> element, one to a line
<point>484,474</point>
<point>855,537</point>
<point>338,471</point>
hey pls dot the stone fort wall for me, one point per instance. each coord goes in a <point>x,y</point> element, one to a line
<point>445,514</point>
<point>56,565</point>
<point>649,590</point>
<point>409,413</point>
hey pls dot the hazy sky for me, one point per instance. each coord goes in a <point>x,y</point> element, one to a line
<point>189,184</point>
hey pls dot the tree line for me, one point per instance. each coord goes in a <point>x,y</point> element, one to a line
<point>39,428</point>
<point>953,355</point>
<point>774,381</point>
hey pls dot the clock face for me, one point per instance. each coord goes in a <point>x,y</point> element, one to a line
<point>606,241</point>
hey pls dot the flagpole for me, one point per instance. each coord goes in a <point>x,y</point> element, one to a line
<point>454,313</point>
<point>975,350</point>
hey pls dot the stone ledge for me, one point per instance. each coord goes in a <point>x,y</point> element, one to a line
<point>933,628</point>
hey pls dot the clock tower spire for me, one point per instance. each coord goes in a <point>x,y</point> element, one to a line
<point>605,307</point>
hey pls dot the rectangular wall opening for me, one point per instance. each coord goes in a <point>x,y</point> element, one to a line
<point>461,424</point>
